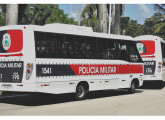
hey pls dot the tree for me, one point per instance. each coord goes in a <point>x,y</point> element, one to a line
<point>155,25</point>
<point>131,27</point>
<point>11,14</point>
<point>161,25</point>
<point>41,14</point>
<point>124,24</point>
<point>21,9</point>
<point>102,15</point>
<point>2,14</point>
<point>160,7</point>
<point>90,17</point>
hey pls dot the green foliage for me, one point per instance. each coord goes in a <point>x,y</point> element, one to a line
<point>131,27</point>
<point>2,15</point>
<point>124,22</point>
<point>40,14</point>
<point>2,19</point>
<point>89,16</point>
<point>156,25</point>
<point>134,29</point>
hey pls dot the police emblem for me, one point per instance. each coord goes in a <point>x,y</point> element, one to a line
<point>6,42</point>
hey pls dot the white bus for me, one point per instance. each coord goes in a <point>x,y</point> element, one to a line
<point>152,51</point>
<point>59,58</point>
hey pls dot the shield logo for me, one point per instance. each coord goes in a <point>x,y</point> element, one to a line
<point>140,47</point>
<point>6,42</point>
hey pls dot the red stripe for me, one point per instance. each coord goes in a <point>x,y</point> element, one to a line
<point>20,54</point>
<point>124,69</point>
<point>92,69</point>
<point>148,56</point>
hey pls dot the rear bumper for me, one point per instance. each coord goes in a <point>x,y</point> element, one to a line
<point>17,87</point>
<point>153,78</point>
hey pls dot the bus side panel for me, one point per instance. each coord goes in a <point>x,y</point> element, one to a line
<point>62,75</point>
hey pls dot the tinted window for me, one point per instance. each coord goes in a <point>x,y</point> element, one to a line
<point>102,48</point>
<point>123,50</point>
<point>51,45</point>
<point>133,54</point>
<point>91,48</point>
<point>54,45</point>
<point>111,49</point>
<point>163,53</point>
<point>79,47</point>
<point>40,44</point>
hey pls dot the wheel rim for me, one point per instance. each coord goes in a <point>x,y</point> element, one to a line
<point>80,91</point>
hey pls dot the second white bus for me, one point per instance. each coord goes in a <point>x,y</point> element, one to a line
<point>152,51</point>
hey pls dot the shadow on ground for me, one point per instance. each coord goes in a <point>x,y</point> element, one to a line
<point>47,99</point>
<point>153,85</point>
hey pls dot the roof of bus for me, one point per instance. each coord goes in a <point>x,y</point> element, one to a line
<point>68,29</point>
<point>149,37</point>
<point>77,30</point>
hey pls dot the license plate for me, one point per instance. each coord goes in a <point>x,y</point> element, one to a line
<point>6,87</point>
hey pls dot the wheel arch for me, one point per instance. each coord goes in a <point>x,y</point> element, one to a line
<point>84,83</point>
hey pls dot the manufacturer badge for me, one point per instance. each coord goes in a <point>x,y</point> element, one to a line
<point>6,42</point>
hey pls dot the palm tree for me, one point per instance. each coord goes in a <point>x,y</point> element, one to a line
<point>91,16</point>
<point>160,8</point>
<point>102,16</point>
<point>12,14</point>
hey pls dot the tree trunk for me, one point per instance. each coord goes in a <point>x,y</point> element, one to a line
<point>113,19</point>
<point>11,14</point>
<point>117,19</point>
<point>102,18</point>
<point>79,14</point>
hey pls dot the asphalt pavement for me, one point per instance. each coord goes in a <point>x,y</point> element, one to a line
<point>146,101</point>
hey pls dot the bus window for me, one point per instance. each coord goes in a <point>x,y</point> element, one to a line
<point>61,46</point>
<point>111,49</point>
<point>149,47</point>
<point>133,54</point>
<point>163,53</point>
<point>80,43</point>
<point>40,44</point>
<point>91,48</point>
<point>102,48</point>
<point>11,41</point>
<point>69,45</point>
<point>123,50</point>
<point>51,46</point>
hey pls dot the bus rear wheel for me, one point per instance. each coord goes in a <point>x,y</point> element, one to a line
<point>132,88</point>
<point>81,92</point>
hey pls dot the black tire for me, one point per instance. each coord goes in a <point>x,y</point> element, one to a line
<point>81,92</point>
<point>132,88</point>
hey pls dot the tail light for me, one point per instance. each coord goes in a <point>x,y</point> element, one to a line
<point>159,66</point>
<point>29,69</point>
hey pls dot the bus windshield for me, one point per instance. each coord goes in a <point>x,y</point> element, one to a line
<point>146,47</point>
